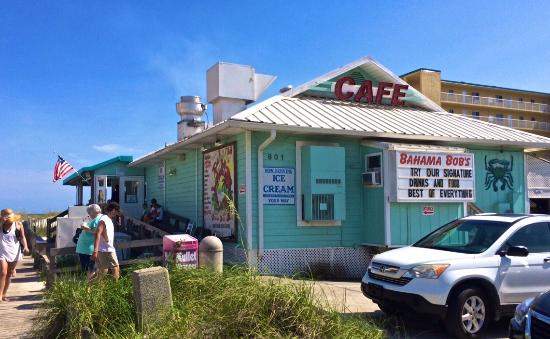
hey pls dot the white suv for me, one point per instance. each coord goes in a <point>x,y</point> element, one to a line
<point>468,272</point>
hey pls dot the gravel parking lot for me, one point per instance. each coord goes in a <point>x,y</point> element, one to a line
<point>348,298</point>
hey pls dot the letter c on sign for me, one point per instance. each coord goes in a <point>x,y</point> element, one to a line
<point>338,88</point>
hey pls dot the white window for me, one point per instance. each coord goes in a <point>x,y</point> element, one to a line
<point>373,170</point>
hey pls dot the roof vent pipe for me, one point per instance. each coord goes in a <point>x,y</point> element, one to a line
<point>285,89</point>
<point>190,110</point>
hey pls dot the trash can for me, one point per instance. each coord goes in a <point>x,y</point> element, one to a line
<point>182,249</point>
<point>123,253</point>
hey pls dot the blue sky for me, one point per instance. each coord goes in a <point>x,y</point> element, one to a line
<point>91,80</point>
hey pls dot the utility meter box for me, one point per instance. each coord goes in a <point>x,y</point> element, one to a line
<point>324,183</point>
<point>182,249</point>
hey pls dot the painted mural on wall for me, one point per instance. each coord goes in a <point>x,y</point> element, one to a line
<point>219,191</point>
<point>499,174</point>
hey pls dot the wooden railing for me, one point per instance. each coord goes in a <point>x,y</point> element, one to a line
<point>51,225</point>
<point>473,209</point>
<point>150,237</point>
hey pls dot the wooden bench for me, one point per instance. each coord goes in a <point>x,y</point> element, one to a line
<point>173,223</point>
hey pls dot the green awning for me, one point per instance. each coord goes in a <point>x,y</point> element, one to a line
<point>75,179</point>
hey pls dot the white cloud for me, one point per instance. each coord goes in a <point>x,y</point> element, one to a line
<point>114,149</point>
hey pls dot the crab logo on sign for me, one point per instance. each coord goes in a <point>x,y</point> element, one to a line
<point>499,171</point>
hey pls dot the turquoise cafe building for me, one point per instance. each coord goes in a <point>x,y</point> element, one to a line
<point>321,176</point>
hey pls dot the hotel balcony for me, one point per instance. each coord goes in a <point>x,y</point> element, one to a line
<point>493,102</point>
<point>516,123</point>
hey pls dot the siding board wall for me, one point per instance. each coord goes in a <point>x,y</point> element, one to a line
<point>280,226</point>
<point>503,200</point>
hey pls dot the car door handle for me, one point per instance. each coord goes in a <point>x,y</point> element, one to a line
<point>547,259</point>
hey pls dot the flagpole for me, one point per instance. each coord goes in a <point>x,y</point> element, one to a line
<point>80,175</point>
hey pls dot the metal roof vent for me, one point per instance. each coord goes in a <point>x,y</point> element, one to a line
<point>285,89</point>
<point>230,87</point>
<point>190,109</point>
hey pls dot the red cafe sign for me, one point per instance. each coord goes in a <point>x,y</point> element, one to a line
<point>346,89</point>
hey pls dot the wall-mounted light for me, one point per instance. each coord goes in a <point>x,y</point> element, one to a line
<point>172,171</point>
<point>217,142</point>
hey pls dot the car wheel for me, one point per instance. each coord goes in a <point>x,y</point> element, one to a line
<point>467,316</point>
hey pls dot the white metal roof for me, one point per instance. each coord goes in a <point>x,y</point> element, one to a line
<point>357,119</point>
<point>332,117</point>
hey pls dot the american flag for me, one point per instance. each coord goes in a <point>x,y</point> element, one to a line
<point>61,169</point>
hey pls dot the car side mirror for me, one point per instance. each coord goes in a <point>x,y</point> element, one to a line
<point>515,251</point>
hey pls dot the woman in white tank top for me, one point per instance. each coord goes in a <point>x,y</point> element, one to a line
<point>12,242</point>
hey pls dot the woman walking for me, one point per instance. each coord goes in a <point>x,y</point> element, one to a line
<point>85,243</point>
<point>12,242</point>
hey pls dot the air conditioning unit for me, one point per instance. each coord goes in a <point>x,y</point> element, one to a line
<point>322,207</point>
<point>372,179</point>
<point>323,183</point>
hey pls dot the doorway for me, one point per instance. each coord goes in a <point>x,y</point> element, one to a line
<point>540,206</point>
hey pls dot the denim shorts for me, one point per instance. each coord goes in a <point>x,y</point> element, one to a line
<point>86,264</point>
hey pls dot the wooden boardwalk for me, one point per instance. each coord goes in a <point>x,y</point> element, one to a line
<point>25,293</point>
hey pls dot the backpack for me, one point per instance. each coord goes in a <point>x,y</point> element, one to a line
<point>77,235</point>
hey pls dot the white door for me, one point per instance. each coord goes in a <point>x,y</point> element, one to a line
<point>100,189</point>
<point>525,277</point>
<point>131,196</point>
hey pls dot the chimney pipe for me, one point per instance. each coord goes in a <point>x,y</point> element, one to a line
<point>190,110</point>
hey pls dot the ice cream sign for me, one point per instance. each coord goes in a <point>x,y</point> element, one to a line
<point>435,177</point>
<point>345,88</point>
<point>278,186</point>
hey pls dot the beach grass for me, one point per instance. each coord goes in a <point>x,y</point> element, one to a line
<point>236,304</point>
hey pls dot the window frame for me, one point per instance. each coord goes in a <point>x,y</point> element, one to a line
<point>504,245</point>
<point>381,168</point>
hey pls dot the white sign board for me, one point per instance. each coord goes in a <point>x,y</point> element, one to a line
<point>78,211</point>
<point>443,177</point>
<point>66,228</point>
<point>279,187</point>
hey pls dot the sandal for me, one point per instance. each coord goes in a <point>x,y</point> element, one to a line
<point>5,299</point>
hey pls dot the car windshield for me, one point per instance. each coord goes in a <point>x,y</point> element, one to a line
<point>464,236</point>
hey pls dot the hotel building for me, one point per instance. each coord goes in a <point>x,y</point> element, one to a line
<point>519,109</point>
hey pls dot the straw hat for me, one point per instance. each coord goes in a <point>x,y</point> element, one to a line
<point>8,212</point>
